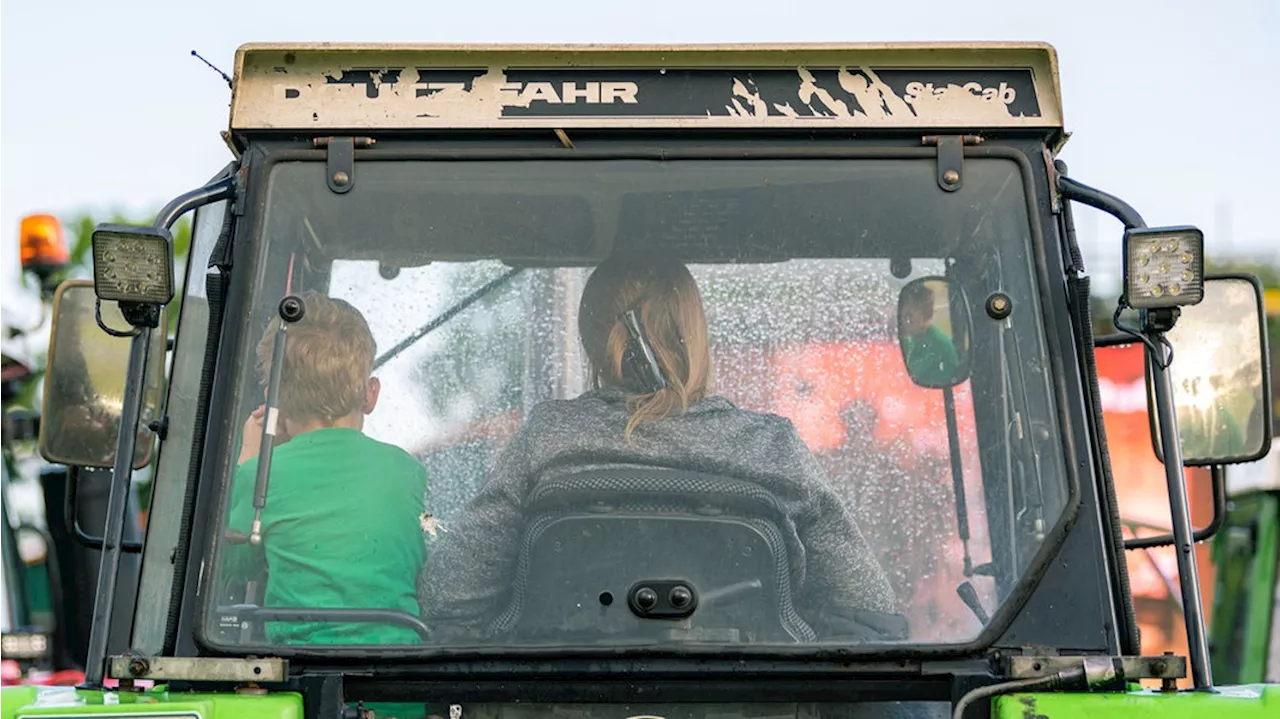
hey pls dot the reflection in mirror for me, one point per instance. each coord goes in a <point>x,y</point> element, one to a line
<point>1219,376</point>
<point>933,332</point>
<point>84,384</point>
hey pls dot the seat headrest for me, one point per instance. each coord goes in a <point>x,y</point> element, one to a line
<point>633,483</point>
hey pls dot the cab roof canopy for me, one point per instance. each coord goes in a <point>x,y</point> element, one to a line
<point>917,87</point>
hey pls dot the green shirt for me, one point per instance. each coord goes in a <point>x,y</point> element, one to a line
<point>931,358</point>
<point>341,529</point>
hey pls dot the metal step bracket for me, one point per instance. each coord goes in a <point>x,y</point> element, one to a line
<point>1169,668</point>
<point>199,669</point>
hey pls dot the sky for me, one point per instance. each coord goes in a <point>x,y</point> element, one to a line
<point>1171,104</point>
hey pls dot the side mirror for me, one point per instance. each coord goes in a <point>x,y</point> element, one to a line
<point>84,382</point>
<point>934,329</point>
<point>1221,375</point>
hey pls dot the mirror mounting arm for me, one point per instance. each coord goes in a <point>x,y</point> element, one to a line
<point>104,595</point>
<point>1110,204</point>
<point>1159,320</point>
<point>1158,353</point>
<point>108,569</point>
<point>1179,510</point>
<point>223,189</point>
<point>139,314</point>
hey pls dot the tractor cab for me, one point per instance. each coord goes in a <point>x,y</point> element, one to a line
<point>394,477</point>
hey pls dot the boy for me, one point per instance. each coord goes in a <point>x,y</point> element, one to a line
<point>930,355</point>
<point>341,527</point>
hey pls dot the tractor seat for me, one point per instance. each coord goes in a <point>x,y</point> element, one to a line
<point>651,555</point>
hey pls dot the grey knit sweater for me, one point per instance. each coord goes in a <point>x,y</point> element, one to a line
<point>470,569</point>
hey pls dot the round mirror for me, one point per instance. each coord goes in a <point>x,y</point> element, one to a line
<point>933,332</point>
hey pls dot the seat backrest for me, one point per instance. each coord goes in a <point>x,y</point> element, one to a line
<point>609,555</point>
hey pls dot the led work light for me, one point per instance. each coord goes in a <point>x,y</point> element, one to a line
<point>1163,267</point>
<point>24,646</point>
<point>133,264</point>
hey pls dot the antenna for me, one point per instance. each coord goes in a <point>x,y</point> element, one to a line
<point>224,75</point>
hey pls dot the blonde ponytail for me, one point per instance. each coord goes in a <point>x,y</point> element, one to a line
<point>675,327</point>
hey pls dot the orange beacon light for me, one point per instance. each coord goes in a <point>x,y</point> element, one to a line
<point>42,244</point>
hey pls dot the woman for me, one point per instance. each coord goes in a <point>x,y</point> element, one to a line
<point>653,406</point>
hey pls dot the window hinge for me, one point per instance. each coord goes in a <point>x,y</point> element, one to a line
<point>340,167</point>
<point>951,158</point>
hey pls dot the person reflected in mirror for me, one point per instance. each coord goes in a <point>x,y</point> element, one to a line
<point>341,527</point>
<point>1206,424</point>
<point>84,423</point>
<point>1229,440</point>
<point>88,433</point>
<point>929,353</point>
<point>628,420</point>
<point>1254,426</point>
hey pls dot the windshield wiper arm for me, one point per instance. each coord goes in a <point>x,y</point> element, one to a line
<point>447,315</point>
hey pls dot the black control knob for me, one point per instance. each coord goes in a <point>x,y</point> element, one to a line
<point>292,309</point>
<point>646,598</point>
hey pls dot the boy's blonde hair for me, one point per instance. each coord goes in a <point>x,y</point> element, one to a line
<point>327,362</point>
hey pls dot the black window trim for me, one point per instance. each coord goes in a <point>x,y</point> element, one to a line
<point>1067,404</point>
